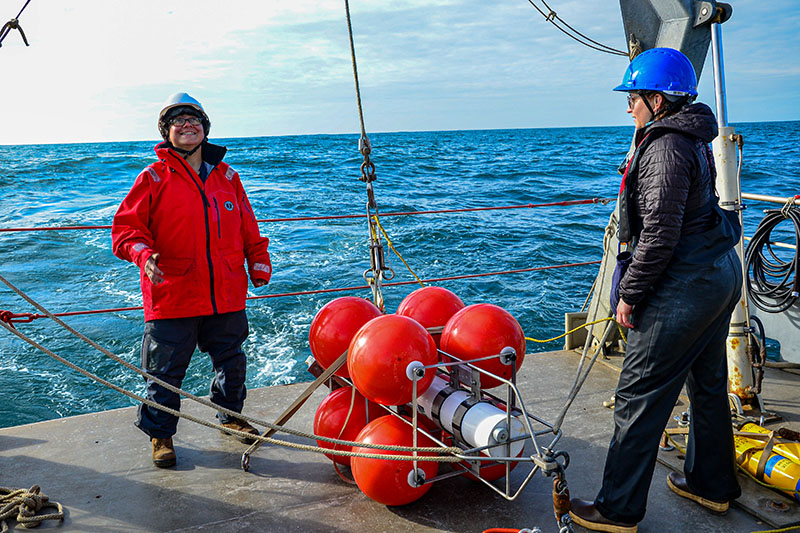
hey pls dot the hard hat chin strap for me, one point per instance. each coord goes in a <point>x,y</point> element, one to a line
<point>187,153</point>
<point>671,107</point>
<point>649,108</point>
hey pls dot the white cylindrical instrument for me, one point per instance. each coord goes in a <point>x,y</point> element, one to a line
<point>477,423</point>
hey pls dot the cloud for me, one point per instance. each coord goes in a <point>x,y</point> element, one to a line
<point>99,70</point>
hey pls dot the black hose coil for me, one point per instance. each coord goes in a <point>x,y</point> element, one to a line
<point>773,283</point>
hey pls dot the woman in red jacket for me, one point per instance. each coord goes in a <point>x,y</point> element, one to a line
<point>188,225</point>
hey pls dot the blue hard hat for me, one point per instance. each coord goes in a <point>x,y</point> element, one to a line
<point>664,70</point>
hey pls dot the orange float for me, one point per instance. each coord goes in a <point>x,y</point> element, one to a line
<point>382,356</point>
<point>333,328</point>
<point>386,481</point>
<point>432,307</point>
<point>481,330</point>
<point>333,412</point>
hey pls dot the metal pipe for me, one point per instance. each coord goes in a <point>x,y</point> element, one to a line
<point>719,74</point>
<point>771,199</point>
<point>777,244</point>
<point>740,375</point>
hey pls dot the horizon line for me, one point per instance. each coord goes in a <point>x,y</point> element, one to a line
<point>4,145</point>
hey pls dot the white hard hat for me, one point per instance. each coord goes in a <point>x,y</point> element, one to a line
<point>180,100</point>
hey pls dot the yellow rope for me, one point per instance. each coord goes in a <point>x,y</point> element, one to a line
<point>790,528</point>
<point>389,242</point>
<point>576,329</point>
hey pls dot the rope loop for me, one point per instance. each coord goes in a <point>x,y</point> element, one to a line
<point>364,146</point>
<point>789,205</point>
<point>11,318</point>
<point>634,47</point>
<point>25,504</point>
<point>12,24</point>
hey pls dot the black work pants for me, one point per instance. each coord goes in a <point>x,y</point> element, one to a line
<point>679,337</point>
<point>167,348</point>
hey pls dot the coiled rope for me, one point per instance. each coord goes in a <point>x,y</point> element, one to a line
<point>773,283</point>
<point>22,505</point>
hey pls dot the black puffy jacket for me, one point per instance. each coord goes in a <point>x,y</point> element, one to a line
<point>669,189</point>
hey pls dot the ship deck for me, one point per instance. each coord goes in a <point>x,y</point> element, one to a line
<point>98,466</point>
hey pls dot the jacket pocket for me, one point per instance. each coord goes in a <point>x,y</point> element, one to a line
<point>235,262</point>
<point>175,266</point>
<point>234,280</point>
<point>228,216</point>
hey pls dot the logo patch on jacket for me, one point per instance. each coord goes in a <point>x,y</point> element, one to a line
<point>229,205</point>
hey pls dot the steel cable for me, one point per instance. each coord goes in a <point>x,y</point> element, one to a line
<point>13,24</point>
<point>551,16</point>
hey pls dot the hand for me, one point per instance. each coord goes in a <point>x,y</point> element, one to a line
<point>624,311</point>
<point>154,273</point>
<point>259,282</point>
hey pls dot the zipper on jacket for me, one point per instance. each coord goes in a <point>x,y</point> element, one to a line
<point>206,207</point>
<point>219,221</point>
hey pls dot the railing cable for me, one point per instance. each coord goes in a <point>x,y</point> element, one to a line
<point>13,318</point>
<point>602,201</point>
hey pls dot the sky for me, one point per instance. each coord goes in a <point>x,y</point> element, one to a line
<point>98,70</point>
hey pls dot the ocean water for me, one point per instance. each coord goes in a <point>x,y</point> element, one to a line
<point>317,175</point>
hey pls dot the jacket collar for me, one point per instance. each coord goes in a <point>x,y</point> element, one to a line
<point>212,153</point>
<point>696,120</point>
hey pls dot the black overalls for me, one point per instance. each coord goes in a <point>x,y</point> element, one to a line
<point>680,337</point>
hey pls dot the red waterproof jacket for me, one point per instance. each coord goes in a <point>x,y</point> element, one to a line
<point>203,231</point>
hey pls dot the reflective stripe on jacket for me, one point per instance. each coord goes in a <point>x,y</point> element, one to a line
<point>202,231</point>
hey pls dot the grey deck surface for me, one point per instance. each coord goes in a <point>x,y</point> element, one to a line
<point>98,466</point>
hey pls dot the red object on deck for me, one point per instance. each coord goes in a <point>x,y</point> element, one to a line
<point>481,330</point>
<point>333,328</point>
<point>380,354</point>
<point>331,416</point>
<point>387,481</point>
<point>432,307</point>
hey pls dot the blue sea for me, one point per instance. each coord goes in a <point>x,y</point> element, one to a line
<point>317,175</point>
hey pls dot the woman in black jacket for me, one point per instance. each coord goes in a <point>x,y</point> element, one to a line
<point>676,297</point>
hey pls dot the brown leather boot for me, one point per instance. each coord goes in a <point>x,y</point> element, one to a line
<point>586,514</point>
<point>241,425</point>
<point>678,484</point>
<point>163,452</point>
